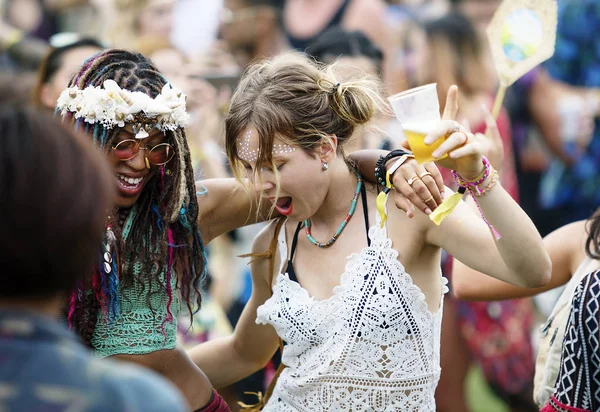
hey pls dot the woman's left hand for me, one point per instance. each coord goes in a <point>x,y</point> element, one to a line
<point>463,148</point>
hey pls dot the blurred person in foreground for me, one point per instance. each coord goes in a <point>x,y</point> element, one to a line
<point>50,248</point>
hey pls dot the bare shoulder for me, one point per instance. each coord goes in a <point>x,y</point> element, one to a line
<point>577,229</point>
<point>570,238</point>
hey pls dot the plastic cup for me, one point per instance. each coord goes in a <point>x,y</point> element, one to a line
<point>418,110</point>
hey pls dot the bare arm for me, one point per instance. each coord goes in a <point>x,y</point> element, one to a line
<point>175,365</point>
<point>566,249</point>
<point>519,257</point>
<point>543,102</point>
<point>227,360</point>
<point>226,205</point>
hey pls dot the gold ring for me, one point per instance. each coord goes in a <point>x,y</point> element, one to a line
<point>412,180</point>
<point>429,199</point>
<point>422,175</point>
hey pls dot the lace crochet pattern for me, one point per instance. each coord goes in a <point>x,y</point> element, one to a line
<point>373,346</point>
<point>137,329</point>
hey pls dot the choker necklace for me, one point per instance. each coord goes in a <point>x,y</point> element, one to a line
<point>338,232</point>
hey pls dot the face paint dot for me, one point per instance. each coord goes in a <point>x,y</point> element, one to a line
<point>252,155</point>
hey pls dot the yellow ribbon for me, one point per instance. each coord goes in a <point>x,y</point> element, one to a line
<point>446,207</point>
<point>382,199</point>
<point>438,215</point>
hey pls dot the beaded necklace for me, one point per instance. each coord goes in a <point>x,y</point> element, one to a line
<point>338,232</point>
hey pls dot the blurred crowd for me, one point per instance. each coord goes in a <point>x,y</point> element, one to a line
<point>549,154</point>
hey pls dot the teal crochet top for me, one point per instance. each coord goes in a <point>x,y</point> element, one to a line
<point>139,328</point>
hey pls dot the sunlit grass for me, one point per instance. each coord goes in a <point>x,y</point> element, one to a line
<point>480,397</point>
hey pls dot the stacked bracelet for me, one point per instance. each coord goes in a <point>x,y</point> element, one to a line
<point>474,184</point>
<point>380,167</point>
<point>492,182</point>
<point>476,191</point>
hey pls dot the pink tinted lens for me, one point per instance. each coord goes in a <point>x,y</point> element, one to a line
<point>125,150</point>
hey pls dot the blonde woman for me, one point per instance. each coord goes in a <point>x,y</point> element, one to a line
<point>368,339</point>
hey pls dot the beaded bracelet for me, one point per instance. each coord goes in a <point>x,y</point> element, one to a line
<point>475,190</point>
<point>493,180</point>
<point>380,168</point>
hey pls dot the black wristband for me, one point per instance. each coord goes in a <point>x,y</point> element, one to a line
<point>380,169</point>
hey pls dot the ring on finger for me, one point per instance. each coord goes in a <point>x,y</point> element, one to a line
<point>422,175</point>
<point>456,127</point>
<point>428,199</point>
<point>412,180</point>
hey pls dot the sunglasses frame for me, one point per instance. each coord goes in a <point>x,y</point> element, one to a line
<point>138,146</point>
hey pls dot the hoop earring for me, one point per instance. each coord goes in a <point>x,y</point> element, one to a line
<point>325,166</point>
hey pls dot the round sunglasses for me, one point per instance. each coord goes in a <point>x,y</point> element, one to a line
<point>156,155</point>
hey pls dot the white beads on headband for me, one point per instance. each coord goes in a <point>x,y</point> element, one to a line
<point>251,156</point>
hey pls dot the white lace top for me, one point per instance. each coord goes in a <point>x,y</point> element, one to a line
<point>373,346</point>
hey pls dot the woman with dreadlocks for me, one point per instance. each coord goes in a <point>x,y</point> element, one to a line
<point>153,250</point>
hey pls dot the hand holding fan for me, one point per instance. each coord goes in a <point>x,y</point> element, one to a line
<point>522,35</point>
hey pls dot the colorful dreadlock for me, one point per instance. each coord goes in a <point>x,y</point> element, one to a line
<point>161,230</point>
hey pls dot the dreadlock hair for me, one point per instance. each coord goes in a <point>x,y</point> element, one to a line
<point>161,232</point>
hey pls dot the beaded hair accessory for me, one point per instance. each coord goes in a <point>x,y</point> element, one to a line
<point>112,106</point>
<point>251,155</point>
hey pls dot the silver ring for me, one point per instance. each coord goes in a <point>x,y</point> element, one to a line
<point>456,127</point>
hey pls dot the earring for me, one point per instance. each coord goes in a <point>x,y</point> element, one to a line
<point>325,166</point>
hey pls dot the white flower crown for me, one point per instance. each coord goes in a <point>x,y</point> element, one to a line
<point>112,106</point>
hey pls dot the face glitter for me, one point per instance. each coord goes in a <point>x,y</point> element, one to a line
<point>251,156</point>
